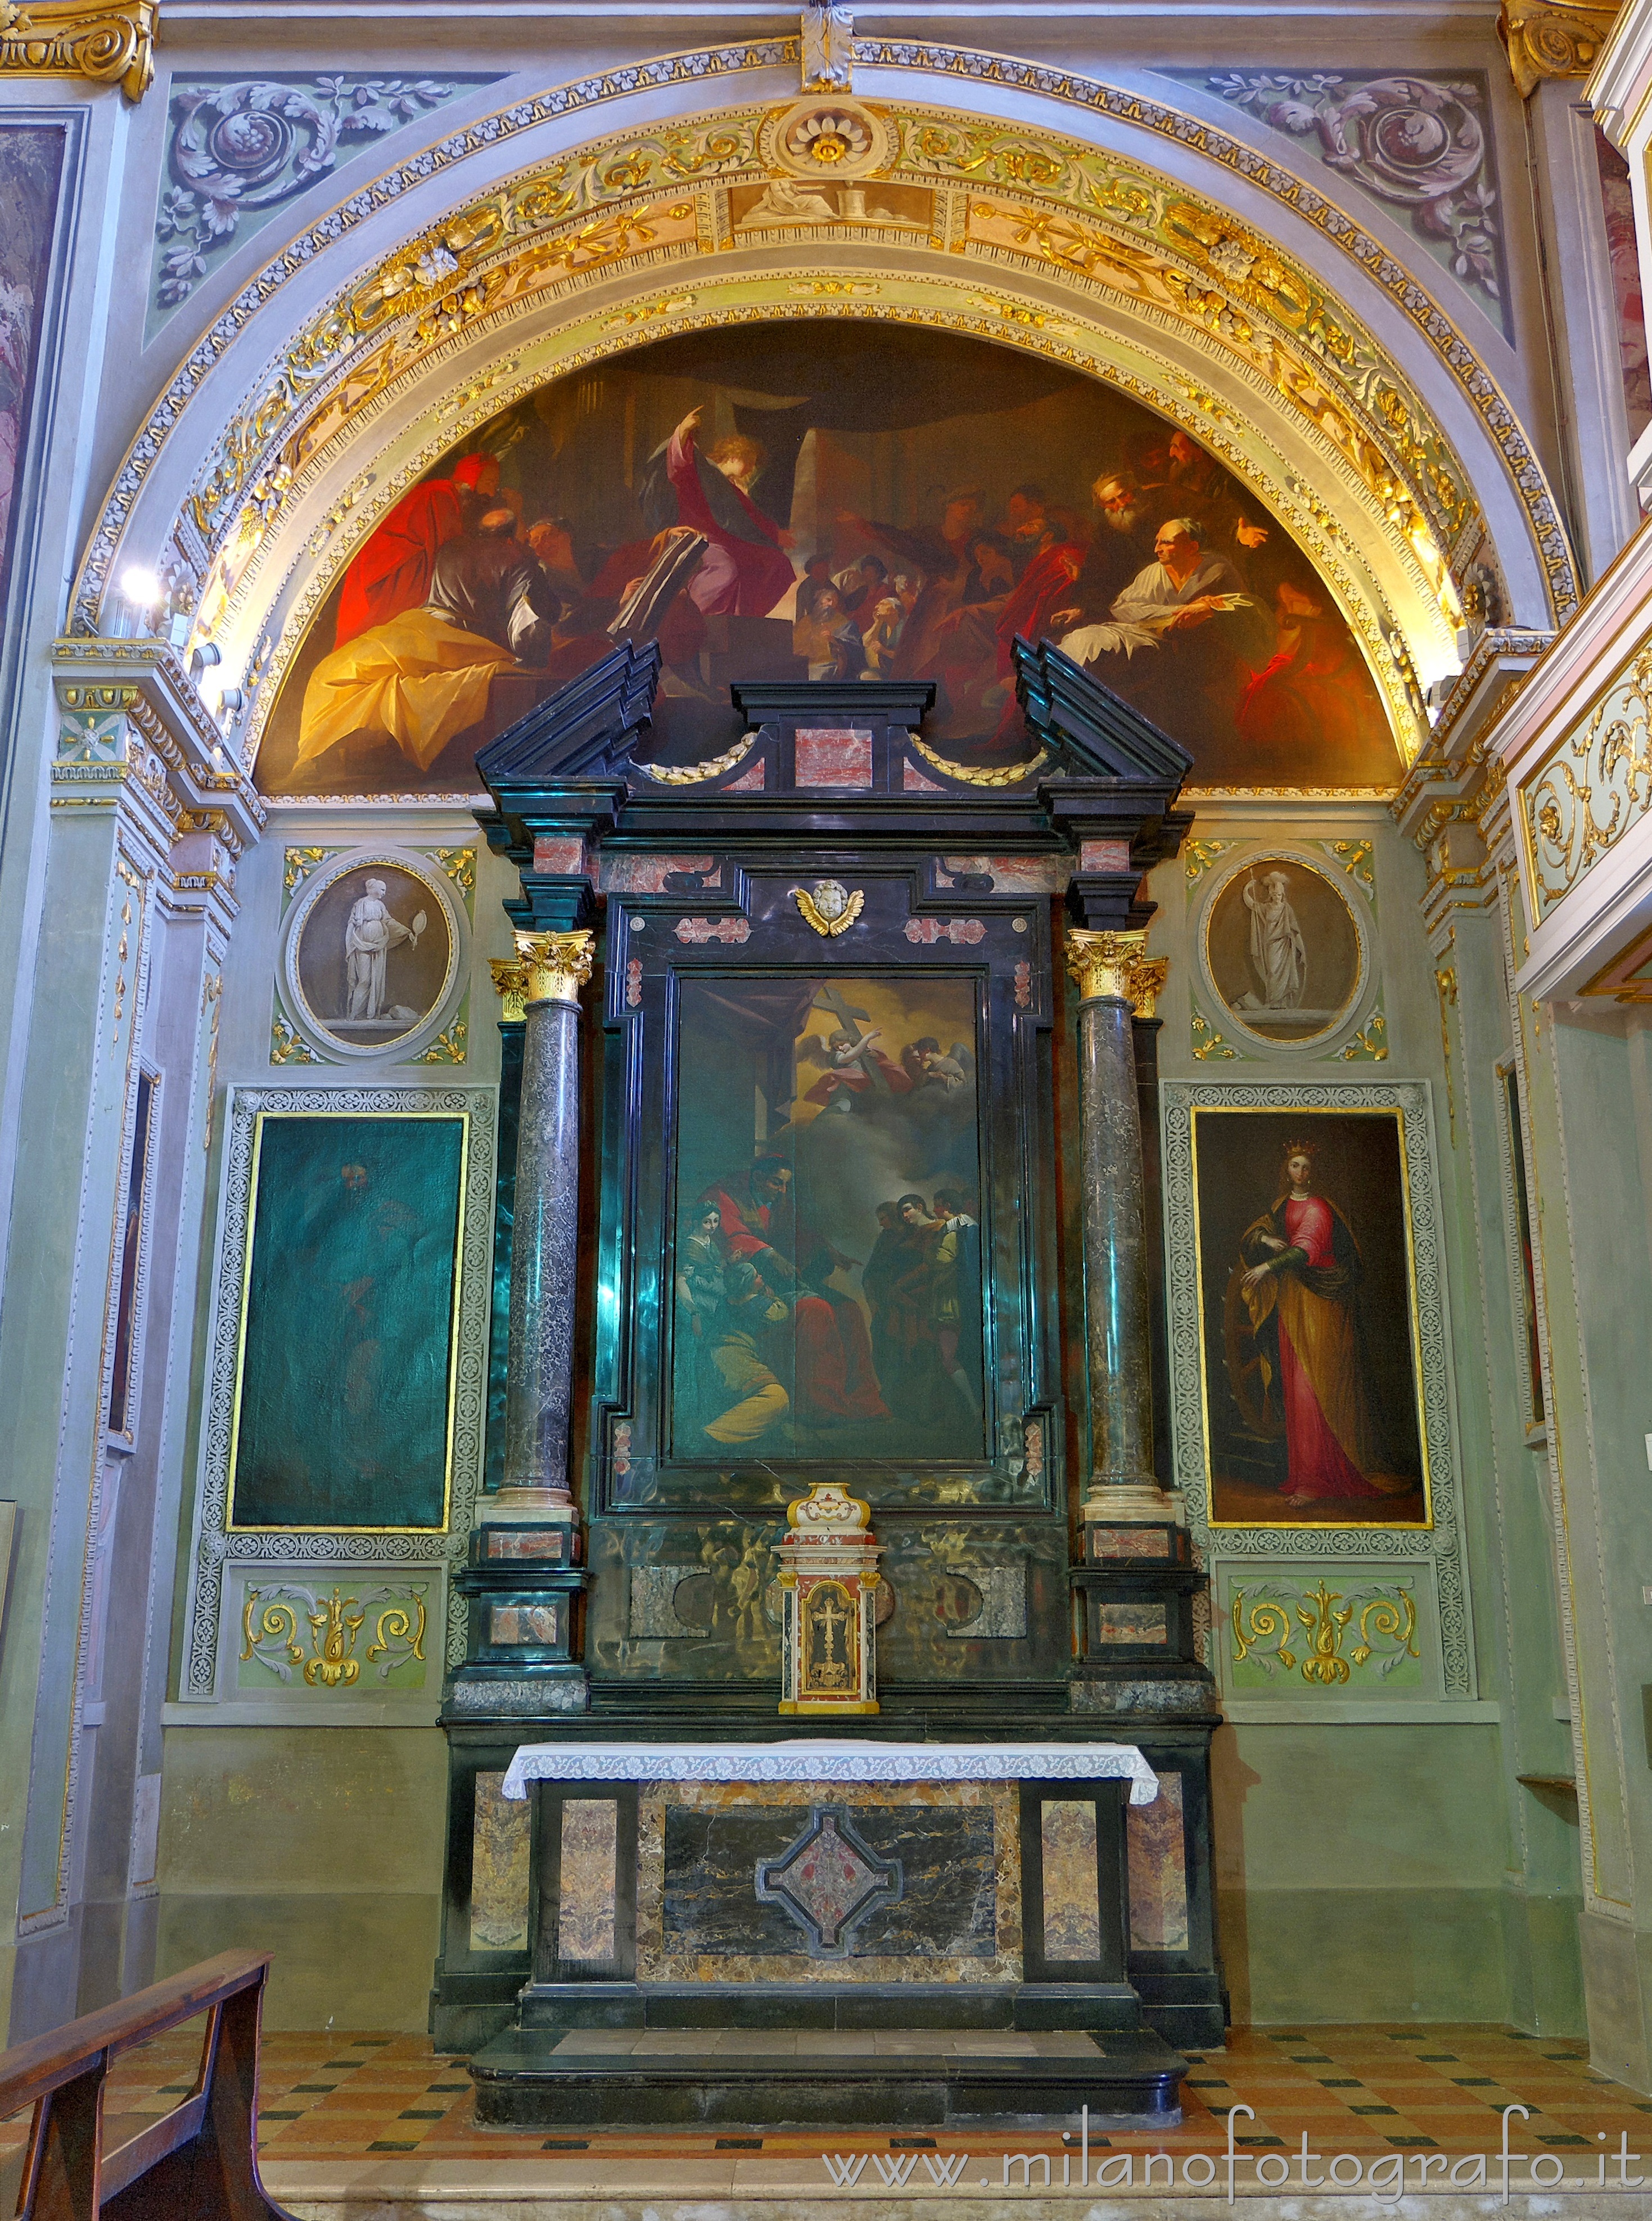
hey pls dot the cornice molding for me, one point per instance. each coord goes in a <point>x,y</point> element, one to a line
<point>1457,784</point>
<point>109,691</point>
<point>1622,76</point>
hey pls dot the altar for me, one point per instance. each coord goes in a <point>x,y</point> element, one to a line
<point>824,1378</point>
<point>810,1931</point>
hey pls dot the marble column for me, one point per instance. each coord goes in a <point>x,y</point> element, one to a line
<point>1116,982</point>
<point>547,973</point>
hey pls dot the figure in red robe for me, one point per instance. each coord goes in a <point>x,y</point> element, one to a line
<point>391,573</point>
<point>835,1379</point>
<point>1315,702</point>
<point>1300,1285</point>
<point>746,570</point>
<point>1044,586</point>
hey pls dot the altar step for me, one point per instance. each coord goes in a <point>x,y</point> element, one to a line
<point>815,2078</point>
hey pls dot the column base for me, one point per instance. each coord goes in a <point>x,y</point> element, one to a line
<point>1140,1659</point>
<point>522,1692</point>
<point>527,1507</point>
<point>1131,1503</point>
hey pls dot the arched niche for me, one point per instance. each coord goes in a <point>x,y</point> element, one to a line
<point>253,488</point>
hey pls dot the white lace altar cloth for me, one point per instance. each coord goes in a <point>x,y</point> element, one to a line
<point>833,1758</point>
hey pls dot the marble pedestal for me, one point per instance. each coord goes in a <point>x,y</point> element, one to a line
<point>525,1594</point>
<point>890,1931</point>
<point>1140,1674</point>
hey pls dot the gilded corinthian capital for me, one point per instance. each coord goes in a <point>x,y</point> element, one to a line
<point>557,965</point>
<point>112,45</point>
<point>1551,38</point>
<point>510,984</point>
<point>1116,965</point>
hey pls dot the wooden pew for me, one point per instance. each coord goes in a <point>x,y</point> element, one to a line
<point>199,2162</point>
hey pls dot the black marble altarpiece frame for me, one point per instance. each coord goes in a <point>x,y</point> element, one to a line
<point>830,856</point>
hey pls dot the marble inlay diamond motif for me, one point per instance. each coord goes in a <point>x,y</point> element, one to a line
<point>828,1881</point>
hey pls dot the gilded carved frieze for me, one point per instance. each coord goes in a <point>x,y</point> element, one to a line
<point>299,1635</point>
<point>1287,1633</point>
<point>1184,265</point>
<point>1130,233</point>
<point>1555,37</point>
<point>1592,791</point>
<point>112,45</point>
<point>1237,287</point>
<point>694,67</point>
<point>1296,194</point>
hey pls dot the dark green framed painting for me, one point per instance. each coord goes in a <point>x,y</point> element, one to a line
<point>346,1372</point>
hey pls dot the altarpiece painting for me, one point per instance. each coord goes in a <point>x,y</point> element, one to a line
<point>831,1256</point>
<point>827,1272</point>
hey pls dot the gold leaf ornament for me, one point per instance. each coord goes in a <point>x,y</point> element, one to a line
<point>829,907</point>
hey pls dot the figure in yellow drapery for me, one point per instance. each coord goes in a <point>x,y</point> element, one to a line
<point>424,676</point>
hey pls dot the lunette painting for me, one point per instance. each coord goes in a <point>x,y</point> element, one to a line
<point>344,1386</point>
<point>1312,1411</point>
<point>827,1267</point>
<point>31,163</point>
<point>846,501</point>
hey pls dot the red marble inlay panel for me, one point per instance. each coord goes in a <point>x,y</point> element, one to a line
<point>834,755</point>
<point>1128,1541</point>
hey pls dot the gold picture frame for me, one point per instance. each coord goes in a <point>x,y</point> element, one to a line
<point>1317,1420</point>
<point>377,1122</point>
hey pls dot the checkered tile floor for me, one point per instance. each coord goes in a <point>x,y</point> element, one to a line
<point>1368,2090</point>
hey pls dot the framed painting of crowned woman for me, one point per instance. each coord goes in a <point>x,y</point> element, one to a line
<point>1312,1374</point>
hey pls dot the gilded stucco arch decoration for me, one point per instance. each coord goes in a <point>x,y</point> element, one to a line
<point>1032,238</point>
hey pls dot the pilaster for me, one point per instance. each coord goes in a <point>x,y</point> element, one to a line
<point>1567,1103</point>
<point>149,818</point>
